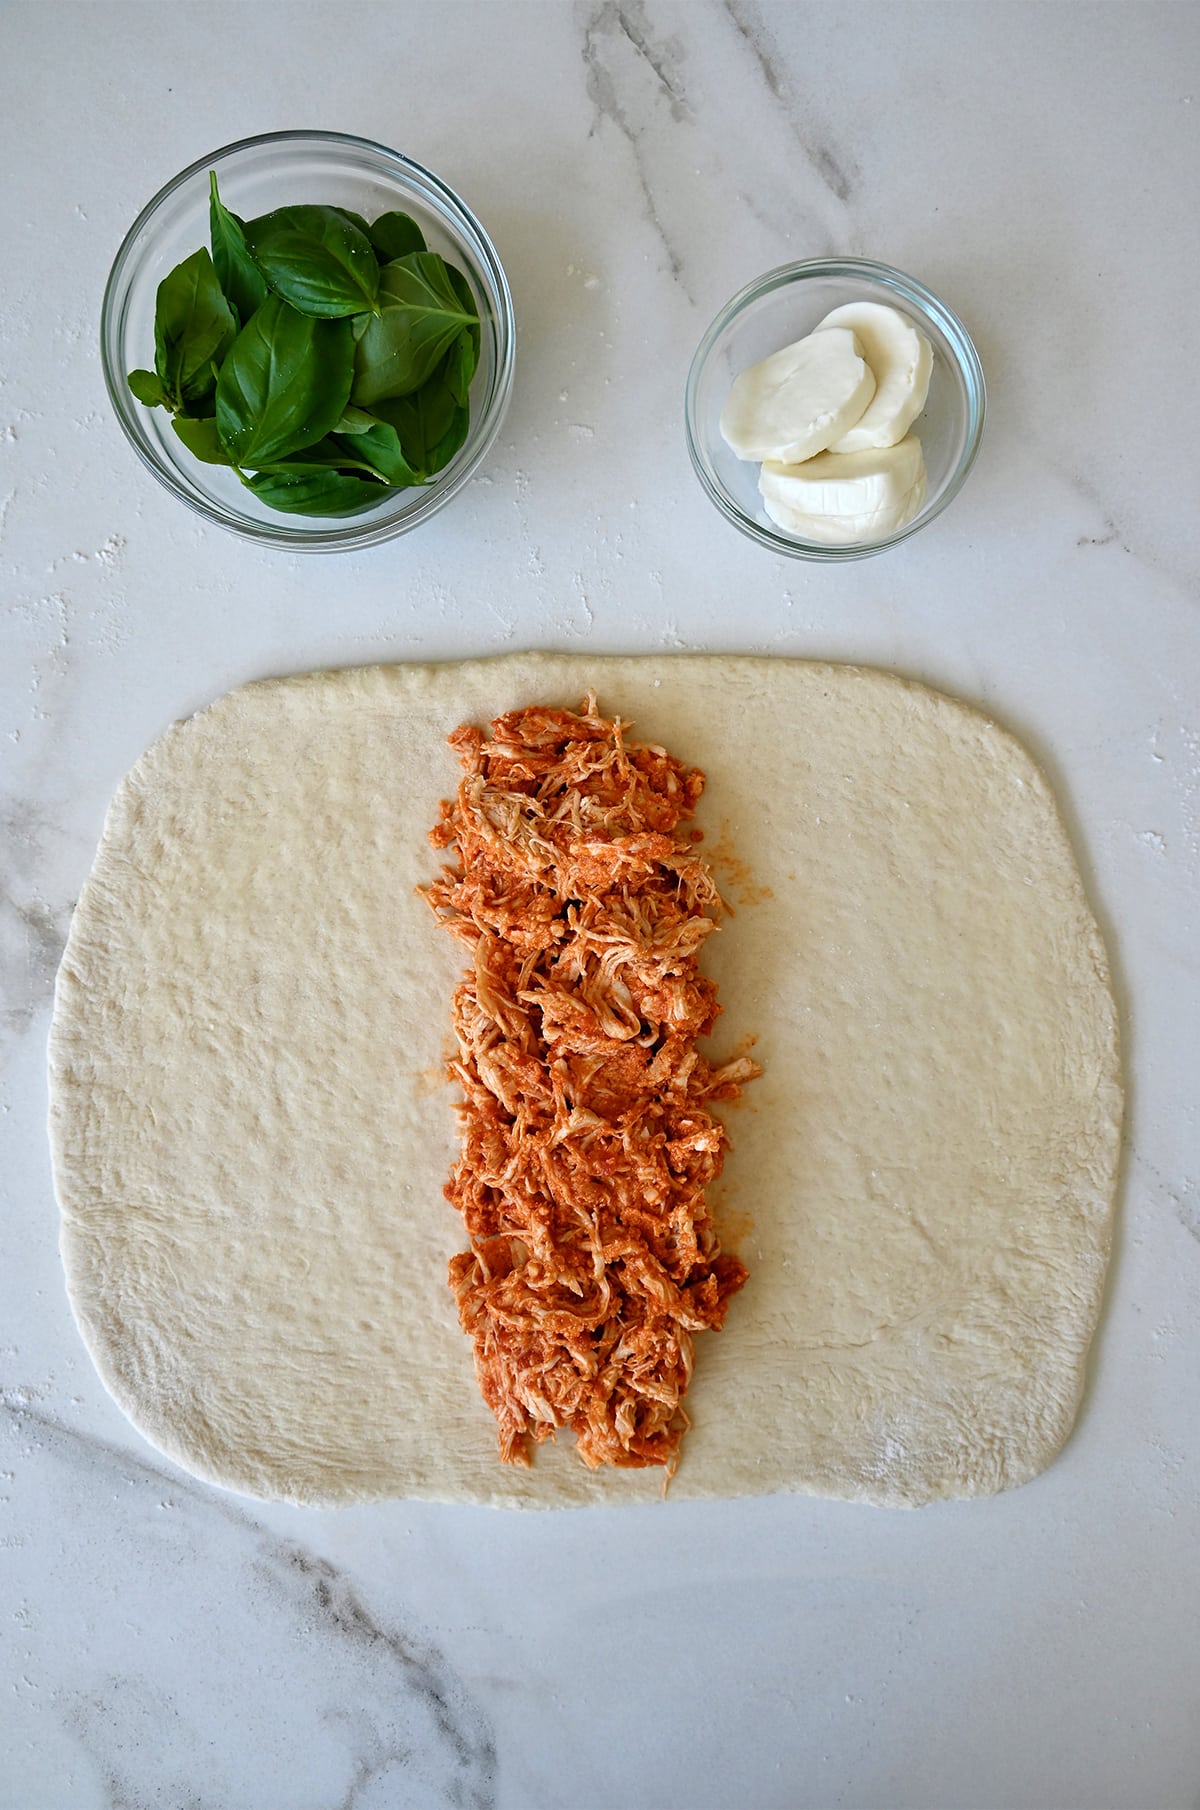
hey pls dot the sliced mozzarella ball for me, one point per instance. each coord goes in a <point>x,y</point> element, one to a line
<point>901,358</point>
<point>840,498</point>
<point>796,402</point>
<point>841,530</point>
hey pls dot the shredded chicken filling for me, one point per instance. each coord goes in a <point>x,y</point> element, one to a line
<point>587,1140</point>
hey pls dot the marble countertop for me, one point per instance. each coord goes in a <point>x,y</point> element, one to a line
<point>636,161</point>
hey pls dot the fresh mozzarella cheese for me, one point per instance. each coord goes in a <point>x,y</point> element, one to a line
<point>799,400</point>
<point>839,498</point>
<point>837,530</point>
<point>901,359</point>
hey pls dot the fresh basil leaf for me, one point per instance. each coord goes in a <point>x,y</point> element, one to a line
<point>284,383</point>
<point>466,296</point>
<point>379,449</point>
<point>317,259</point>
<point>148,388</point>
<point>355,220</point>
<point>429,424</point>
<point>329,454</point>
<point>375,452</point>
<point>459,368</point>
<point>431,410</point>
<point>201,408</point>
<point>194,327</point>
<point>463,356</point>
<point>242,282</point>
<point>395,236</point>
<point>300,490</point>
<point>354,421</point>
<point>201,439</point>
<point>420,317</point>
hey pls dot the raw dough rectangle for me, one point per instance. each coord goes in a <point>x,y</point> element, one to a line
<point>251,1134</point>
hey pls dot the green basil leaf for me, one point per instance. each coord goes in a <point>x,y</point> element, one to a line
<point>201,408</point>
<point>429,424</point>
<point>463,356</point>
<point>201,439</point>
<point>376,452</point>
<point>194,327</point>
<point>284,383</point>
<point>379,449</point>
<point>431,409</point>
<point>148,389</point>
<point>329,454</point>
<point>355,220</point>
<point>420,317</point>
<point>300,490</point>
<point>354,421</point>
<point>242,282</point>
<point>395,236</point>
<point>466,296</point>
<point>459,368</point>
<point>317,259</point>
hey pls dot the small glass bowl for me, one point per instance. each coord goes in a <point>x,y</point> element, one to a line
<point>783,306</point>
<point>280,169</point>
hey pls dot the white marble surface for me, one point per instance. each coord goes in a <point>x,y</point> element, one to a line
<point>162,1644</point>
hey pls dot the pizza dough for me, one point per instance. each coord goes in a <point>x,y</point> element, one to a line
<point>251,1130</point>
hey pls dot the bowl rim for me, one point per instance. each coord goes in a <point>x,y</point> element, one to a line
<point>925,302</point>
<point>356,531</point>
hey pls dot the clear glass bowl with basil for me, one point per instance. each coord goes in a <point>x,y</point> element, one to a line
<point>309,339</point>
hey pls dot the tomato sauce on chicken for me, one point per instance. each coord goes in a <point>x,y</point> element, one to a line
<point>587,1140</point>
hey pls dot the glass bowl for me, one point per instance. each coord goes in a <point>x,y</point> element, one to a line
<point>785,305</point>
<point>255,175</point>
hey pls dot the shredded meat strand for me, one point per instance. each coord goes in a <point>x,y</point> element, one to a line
<point>587,1143</point>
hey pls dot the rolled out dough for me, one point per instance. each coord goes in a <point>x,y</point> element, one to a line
<point>250,1127</point>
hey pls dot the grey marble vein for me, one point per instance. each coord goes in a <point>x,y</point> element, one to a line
<point>832,165</point>
<point>338,1704</point>
<point>1182,1196</point>
<point>32,931</point>
<point>665,59</point>
<point>1116,534</point>
<point>1111,533</point>
<point>607,27</point>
